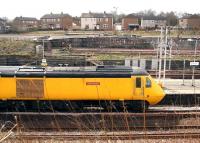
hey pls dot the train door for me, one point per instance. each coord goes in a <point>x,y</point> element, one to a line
<point>139,87</point>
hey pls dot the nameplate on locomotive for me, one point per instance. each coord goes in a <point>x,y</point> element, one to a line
<point>92,83</point>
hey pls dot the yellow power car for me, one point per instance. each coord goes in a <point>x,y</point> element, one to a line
<point>113,86</point>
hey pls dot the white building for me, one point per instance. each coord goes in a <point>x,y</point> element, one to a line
<point>118,26</point>
<point>153,22</point>
<point>97,21</point>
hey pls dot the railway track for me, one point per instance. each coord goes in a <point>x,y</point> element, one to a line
<point>152,113</point>
<point>112,121</point>
<point>106,136</point>
<point>146,51</point>
<point>93,126</point>
<point>122,128</point>
<point>177,74</point>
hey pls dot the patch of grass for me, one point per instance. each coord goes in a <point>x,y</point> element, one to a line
<point>16,47</point>
<point>110,56</point>
<point>44,33</point>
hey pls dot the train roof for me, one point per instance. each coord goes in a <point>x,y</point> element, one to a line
<point>90,72</point>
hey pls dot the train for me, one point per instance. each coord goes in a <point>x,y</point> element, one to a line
<point>112,87</point>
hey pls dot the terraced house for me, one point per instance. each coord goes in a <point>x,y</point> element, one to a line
<point>96,21</point>
<point>25,23</point>
<point>190,22</point>
<point>130,22</point>
<point>56,21</point>
<point>153,22</point>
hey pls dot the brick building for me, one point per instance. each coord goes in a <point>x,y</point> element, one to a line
<point>25,23</point>
<point>130,22</point>
<point>76,24</point>
<point>56,21</point>
<point>97,21</point>
<point>190,22</point>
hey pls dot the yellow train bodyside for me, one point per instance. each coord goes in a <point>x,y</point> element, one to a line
<point>12,88</point>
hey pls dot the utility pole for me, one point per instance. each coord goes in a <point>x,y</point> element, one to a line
<point>43,49</point>
<point>183,72</point>
<point>44,61</point>
<point>116,8</point>
<point>160,56</point>
<point>170,53</point>
<point>165,54</point>
<point>193,68</point>
<point>157,57</point>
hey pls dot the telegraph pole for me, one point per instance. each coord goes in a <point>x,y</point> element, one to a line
<point>160,56</point>
<point>157,57</point>
<point>170,53</point>
<point>193,68</point>
<point>44,61</point>
<point>165,55</point>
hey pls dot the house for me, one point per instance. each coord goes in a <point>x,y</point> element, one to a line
<point>153,22</point>
<point>56,21</point>
<point>25,23</point>
<point>190,22</point>
<point>76,23</point>
<point>130,22</point>
<point>2,26</point>
<point>118,26</point>
<point>97,21</point>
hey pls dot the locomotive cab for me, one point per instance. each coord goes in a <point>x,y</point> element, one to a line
<point>148,90</point>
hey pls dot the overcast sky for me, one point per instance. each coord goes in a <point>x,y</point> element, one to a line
<point>37,8</point>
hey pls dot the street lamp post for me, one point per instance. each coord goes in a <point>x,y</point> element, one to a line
<point>193,67</point>
<point>116,8</point>
<point>44,61</point>
<point>165,55</point>
<point>160,56</point>
<point>43,49</point>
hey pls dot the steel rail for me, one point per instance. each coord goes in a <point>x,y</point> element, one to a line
<point>152,113</point>
<point>105,136</point>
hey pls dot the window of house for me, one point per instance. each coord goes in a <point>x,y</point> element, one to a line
<point>138,82</point>
<point>148,82</point>
<point>58,26</point>
<point>105,26</point>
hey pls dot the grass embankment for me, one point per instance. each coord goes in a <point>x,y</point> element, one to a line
<point>44,33</point>
<point>16,47</point>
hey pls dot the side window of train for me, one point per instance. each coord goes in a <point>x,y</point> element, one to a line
<point>138,82</point>
<point>148,82</point>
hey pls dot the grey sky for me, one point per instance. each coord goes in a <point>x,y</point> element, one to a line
<point>37,8</point>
